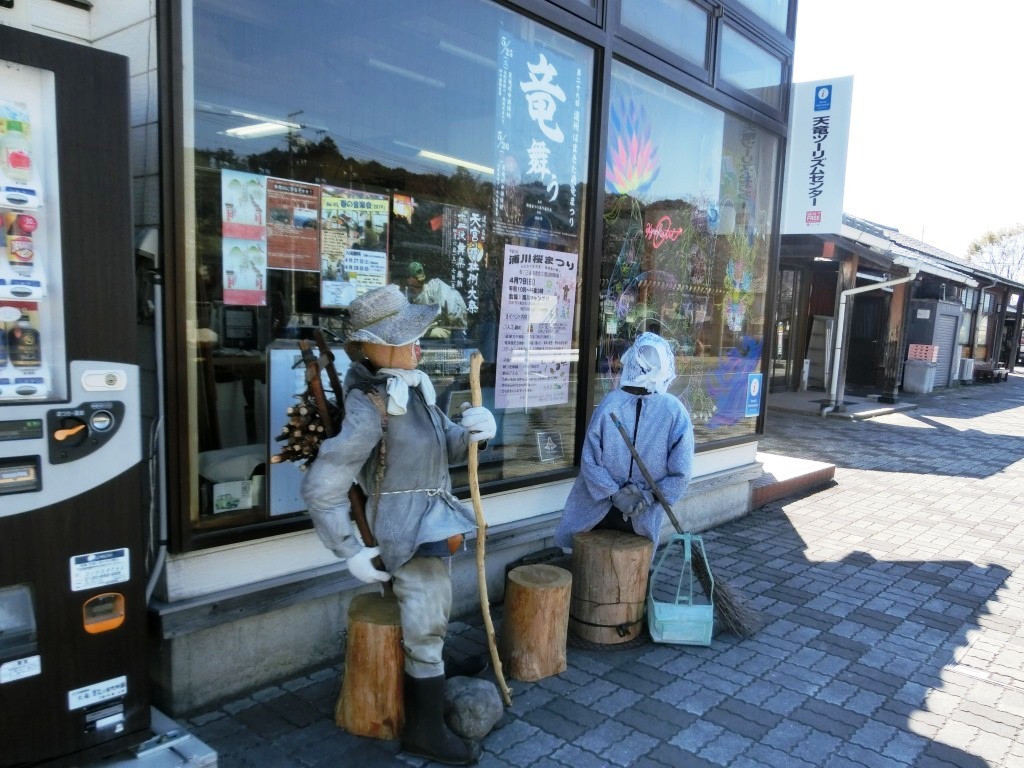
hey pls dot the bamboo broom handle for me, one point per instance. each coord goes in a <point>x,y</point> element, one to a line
<point>476,398</point>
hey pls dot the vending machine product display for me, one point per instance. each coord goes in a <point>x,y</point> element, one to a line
<point>73,671</point>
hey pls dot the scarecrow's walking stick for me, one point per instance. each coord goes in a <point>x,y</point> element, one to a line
<point>476,398</point>
<point>735,615</point>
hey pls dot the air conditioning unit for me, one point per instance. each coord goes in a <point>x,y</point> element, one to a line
<point>966,372</point>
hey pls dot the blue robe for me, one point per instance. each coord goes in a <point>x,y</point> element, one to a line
<point>663,438</point>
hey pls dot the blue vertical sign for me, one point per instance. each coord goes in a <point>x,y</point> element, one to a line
<point>753,394</point>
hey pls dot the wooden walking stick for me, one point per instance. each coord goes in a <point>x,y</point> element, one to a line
<point>476,398</point>
<point>735,615</point>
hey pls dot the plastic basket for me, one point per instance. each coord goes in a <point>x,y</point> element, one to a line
<point>689,618</point>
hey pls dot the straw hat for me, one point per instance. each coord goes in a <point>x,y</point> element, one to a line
<point>385,316</point>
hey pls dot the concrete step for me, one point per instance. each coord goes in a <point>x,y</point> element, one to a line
<point>785,476</point>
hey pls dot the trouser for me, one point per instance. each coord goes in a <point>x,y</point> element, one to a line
<point>423,587</point>
<point>613,521</point>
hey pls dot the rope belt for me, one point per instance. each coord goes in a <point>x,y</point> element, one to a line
<point>434,548</point>
<point>443,493</point>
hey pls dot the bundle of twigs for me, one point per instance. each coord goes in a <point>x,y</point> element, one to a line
<point>306,428</point>
<point>730,609</point>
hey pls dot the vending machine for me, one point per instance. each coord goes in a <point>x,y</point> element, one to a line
<point>73,667</point>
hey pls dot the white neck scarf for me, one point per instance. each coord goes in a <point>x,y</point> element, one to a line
<point>399,381</point>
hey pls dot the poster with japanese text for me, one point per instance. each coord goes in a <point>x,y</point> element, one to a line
<point>538,302</point>
<point>244,238</point>
<point>353,244</point>
<point>243,200</point>
<point>293,219</point>
<point>539,143</point>
<point>464,231</point>
<point>244,271</point>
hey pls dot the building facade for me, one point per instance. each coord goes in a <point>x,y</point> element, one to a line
<point>558,175</point>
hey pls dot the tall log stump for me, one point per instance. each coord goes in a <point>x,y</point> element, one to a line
<point>609,585</point>
<point>536,622</point>
<point>371,702</point>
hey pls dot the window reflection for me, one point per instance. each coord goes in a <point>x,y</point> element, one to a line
<point>746,65</point>
<point>689,194</point>
<point>440,147</point>
<point>679,26</point>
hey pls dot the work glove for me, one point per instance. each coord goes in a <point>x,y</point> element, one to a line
<point>629,500</point>
<point>479,421</point>
<point>361,566</point>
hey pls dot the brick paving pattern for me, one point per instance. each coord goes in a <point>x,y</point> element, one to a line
<point>893,627</point>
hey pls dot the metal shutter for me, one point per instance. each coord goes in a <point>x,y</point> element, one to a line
<point>945,338</point>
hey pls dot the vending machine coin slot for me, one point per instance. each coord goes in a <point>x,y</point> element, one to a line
<point>78,431</point>
<point>103,613</point>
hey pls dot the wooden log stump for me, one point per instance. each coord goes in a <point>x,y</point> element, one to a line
<point>371,702</point>
<point>535,623</point>
<point>609,585</point>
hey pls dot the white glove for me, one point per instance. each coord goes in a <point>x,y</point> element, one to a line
<point>360,566</point>
<point>479,421</point>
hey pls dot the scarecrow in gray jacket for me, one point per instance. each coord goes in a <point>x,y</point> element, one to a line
<point>610,491</point>
<point>416,520</point>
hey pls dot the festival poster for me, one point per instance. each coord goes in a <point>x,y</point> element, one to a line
<point>535,339</point>
<point>293,218</point>
<point>245,271</point>
<point>463,236</point>
<point>540,143</point>
<point>353,243</point>
<point>243,202</point>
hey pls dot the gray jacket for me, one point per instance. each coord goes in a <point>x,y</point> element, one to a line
<point>415,503</point>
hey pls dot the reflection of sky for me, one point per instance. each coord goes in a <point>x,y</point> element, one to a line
<point>383,80</point>
<point>687,134</point>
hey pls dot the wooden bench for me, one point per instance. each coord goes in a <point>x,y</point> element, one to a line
<point>989,371</point>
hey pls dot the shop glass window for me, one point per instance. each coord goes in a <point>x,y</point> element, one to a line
<point>751,68</point>
<point>689,195</point>
<point>679,26</point>
<point>775,12</point>
<point>442,147</point>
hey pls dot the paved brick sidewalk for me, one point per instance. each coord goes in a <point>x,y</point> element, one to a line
<point>893,632</point>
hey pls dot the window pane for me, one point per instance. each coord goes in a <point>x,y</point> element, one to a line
<point>775,12</point>
<point>748,66</point>
<point>680,26</point>
<point>689,194</point>
<point>438,146</point>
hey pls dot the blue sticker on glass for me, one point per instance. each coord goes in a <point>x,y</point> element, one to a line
<point>753,394</point>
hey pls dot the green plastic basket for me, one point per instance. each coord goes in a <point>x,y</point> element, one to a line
<point>689,619</point>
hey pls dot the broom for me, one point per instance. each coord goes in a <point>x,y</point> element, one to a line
<point>733,612</point>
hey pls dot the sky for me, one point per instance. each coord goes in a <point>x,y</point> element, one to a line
<point>938,110</point>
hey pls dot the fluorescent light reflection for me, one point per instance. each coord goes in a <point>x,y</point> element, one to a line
<point>449,160</point>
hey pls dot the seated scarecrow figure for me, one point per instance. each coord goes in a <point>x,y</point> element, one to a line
<point>610,491</point>
<point>416,520</point>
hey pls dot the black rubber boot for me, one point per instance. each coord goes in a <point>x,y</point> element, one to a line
<point>426,734</point>
<point>464,666</point>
